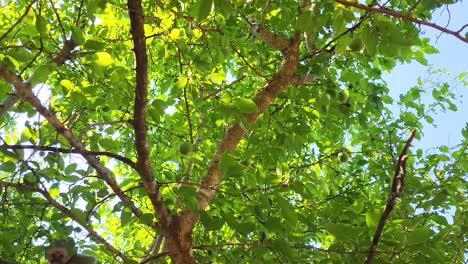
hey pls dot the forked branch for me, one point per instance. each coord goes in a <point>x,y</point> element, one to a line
<point>284,77</point>
<point>24,91</point>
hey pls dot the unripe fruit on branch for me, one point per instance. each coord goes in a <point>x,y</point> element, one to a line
<point>343,157</point>
<point>343,97</point>
<point>185,148</point>
<point>356,44</point>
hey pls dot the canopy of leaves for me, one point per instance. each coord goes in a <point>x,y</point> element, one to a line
<point>255,87</point>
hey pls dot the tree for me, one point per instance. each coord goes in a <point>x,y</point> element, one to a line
<point>209,131</point>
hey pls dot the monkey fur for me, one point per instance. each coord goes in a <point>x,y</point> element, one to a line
<point>59,252</point>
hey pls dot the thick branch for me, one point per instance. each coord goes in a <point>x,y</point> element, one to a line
<point>25,92</point>
<point>408,17</point>
<point>64,150</point>
<point>139,117</point>
<point>235,133</point>
<point>59,59</point>
<point>303,79</point>
<point>67,212</point>
<point>397,188</point>
<point>268,37</point>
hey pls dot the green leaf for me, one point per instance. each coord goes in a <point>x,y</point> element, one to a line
<point>188,197</point>
<point>230,166</point>
<point>372,218</point>
<point>79,215</point>
<point>339,231</point>
<point>287,211</point>
<point>274,225</point>
<point>78,35</point>
<point>202,9</point>
<point>42,73</point>
<point>126,216</point>
<point>245,105</point>
<point>175,33</point>
<point>67,84</point>
<point>246,228</point>
<point>70,168</point>
<point>223,7</point>
<point>146,218</point>
<point>94,44</point>
<point>181,82</point>
<point>440,219</point>
<point>419,57</point>
<point>20,55</point>
<point>282,247</point>
<point>350,76</point>
<point>211,222</point>
<point>103,59</point>
<point>419,236</point>
<point>305,22</point>
<point>41,25</point>
<point>107,143</point>
<point>217,77</point>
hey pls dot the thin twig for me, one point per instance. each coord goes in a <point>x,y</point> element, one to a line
<point>77,151</point>
<point>223,88</point>
<point>17,22</point>
<point>407,17</point>
<point>59,20</point>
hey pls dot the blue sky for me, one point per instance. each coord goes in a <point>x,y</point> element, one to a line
<point>453,56</point>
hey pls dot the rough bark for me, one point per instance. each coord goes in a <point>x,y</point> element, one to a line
<point>179,237</point>
<point>395,192</point>
<point>144,167</point>
<point>25,92</point>
<point>263,99</point>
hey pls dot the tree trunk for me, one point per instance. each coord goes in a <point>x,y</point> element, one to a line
<point>179,238</point>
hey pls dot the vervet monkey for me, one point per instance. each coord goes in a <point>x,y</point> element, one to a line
<point>59,252</point>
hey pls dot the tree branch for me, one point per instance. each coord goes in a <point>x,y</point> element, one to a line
<point>64,150</point>
<point>206,97</point>
<point>397,188</point>
<point>59,59</point>
<point>25,13</point>
<point>139,117</point>
<point>408,17</point>
<point>67,212</point>
<point>25,92</point>
<point>303,79</point>
<point>263,99</point>
<point>267,36</point>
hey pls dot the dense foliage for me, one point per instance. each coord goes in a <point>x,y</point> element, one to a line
<point>241,131</point>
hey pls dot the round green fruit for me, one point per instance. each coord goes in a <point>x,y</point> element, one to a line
<point>356,44</point>
<point>185,148</point>
<point>343,157</point>
<point>343,97</point>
